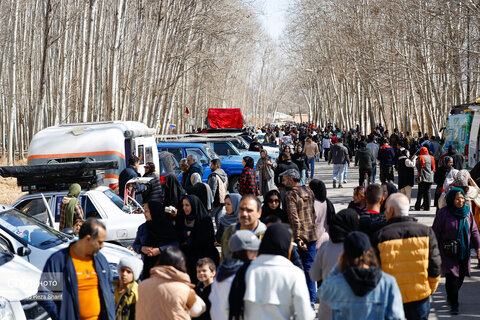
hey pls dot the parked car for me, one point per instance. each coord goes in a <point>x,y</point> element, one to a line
<point>100,202</point>
<point>204,153</point>
<point>19,281</point>
<point>35,241</point>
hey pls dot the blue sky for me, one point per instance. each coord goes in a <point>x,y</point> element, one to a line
<point>274,16</point>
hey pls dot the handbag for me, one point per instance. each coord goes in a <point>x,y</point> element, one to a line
<point>450,247</point>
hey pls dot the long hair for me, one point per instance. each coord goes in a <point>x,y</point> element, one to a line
<point>368,257</point>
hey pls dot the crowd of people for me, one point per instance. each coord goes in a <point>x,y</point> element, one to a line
<point>210,254</point>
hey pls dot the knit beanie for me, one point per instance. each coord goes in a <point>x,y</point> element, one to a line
<point>135,264</point>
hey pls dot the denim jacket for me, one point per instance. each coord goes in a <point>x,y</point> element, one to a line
<point>383,302</point>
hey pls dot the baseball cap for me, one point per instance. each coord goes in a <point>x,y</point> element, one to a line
<point>243,240</point>
<point>356,243</point>
<point>290,173</point>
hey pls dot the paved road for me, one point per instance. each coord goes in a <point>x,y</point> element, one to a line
<point>469,295</point>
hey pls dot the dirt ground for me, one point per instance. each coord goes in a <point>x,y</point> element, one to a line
<point>9,191</point>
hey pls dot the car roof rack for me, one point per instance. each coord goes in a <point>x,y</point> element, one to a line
<point>58,176</point>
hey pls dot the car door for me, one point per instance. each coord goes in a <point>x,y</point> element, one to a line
<point>35,207</point>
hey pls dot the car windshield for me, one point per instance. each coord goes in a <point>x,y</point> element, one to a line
<point>211,154</point>
<point>29,230</point>
<point>114,197</point>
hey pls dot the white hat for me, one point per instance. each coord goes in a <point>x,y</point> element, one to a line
<point>135,264</point>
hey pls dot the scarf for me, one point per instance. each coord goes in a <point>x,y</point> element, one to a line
<point>461,215</point>
<point>267,211</point>
<point>228,219</point>
<point>73,193</point>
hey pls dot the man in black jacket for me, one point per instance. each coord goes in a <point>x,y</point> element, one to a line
<point>283,166</point>
<point>364,159</point>
<point>130,172</point>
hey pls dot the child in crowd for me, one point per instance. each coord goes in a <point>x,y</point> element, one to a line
<point>206,271</point>
<point>126,289</point>
<point>76,227</point>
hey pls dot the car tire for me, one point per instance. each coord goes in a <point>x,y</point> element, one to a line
<point>233,184</point>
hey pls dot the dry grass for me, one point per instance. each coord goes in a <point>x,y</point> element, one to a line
<point>9,191</point>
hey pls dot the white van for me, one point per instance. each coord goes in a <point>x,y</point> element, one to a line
<point>463,131</point>
<point>113,140</point>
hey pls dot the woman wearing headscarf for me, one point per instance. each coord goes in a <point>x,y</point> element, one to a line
<point>173,192</point>
<point>248,180</point>
<point>344,222</point>
<point>195,233</point>
<point>271,207</point>
<point>271,287</point>
<point>425,171</point>
<point>201,190</point>
<point>446,164</point>
<point>265,169</point>
<point>301,160</point>
<point>154,235</point>
<point>388,189</point>
<point>357,288</point>
<point>70,208</point>
<point>232,202</point>
<point>324,210</point>
<point>456,232</point>
<point>456,156</point>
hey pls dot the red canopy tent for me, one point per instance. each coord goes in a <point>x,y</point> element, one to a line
<point>230,118</point>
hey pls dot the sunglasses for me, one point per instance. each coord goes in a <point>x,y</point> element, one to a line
<point>273,200</point>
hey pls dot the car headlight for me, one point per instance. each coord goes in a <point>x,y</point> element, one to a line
<point>113,270</point>
<point>6,311</point>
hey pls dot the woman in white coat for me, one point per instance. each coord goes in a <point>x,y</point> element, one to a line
<point>271,286</point>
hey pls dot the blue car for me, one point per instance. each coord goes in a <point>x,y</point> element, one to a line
<point>233,168</point>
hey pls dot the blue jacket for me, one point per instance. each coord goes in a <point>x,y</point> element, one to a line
<point>386,155</point>
<point>383,302</point>
<point>60,268</point>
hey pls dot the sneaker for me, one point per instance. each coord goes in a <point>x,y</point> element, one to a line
<point>340,186</point>
<point>334,184</point>
<point>344,181</point>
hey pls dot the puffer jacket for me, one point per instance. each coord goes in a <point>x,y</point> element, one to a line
<point>409,252</point>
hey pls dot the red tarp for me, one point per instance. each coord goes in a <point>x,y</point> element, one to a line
<point>225,118</point>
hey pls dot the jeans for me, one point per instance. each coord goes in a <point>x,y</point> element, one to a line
<point>417,309</point>
<point>307,257</point>
<point>345,172</point>
<point>338,172</point>
<point>303,177</point>
<point>423,194</point>
<point>311,163</point>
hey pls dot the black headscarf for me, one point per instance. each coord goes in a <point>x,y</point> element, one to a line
<point>200,190</point>
<point>320,191</point>
<point>173,191</point>
<point>277,240</point>
<point>198,209</point>
<point>249,162</point>
<point>391,189</point>
<point>278,212</point>
<point>344,222</point>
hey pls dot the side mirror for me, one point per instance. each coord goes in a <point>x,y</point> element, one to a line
<point>23,251</point>
<point>68,231</point>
